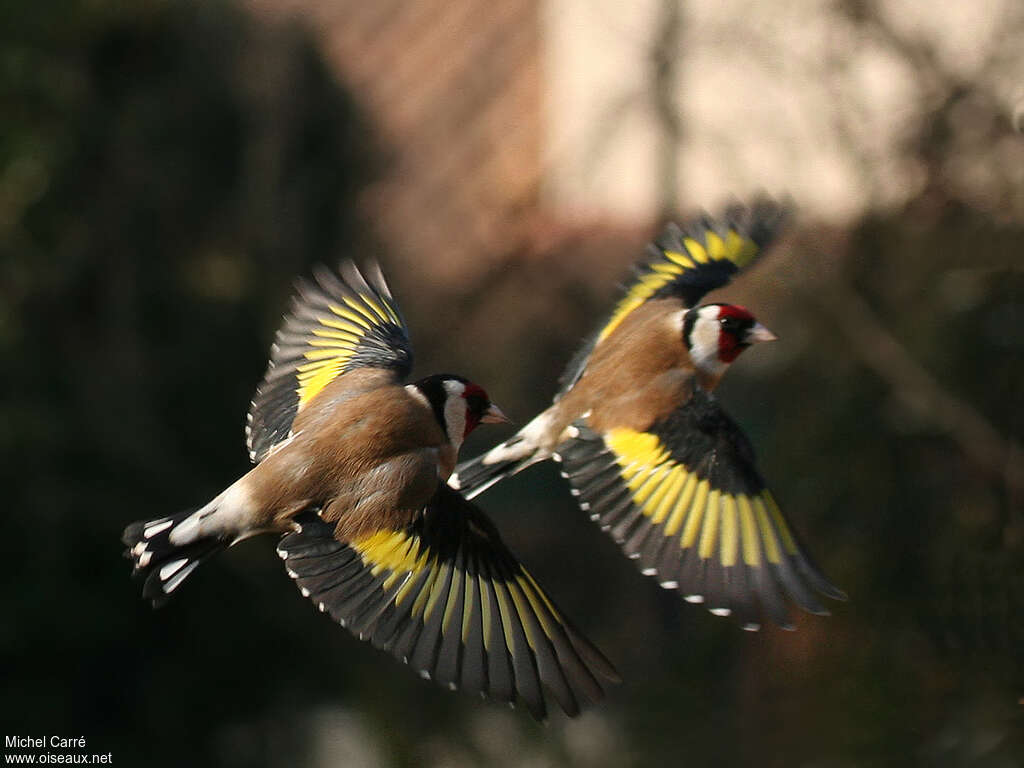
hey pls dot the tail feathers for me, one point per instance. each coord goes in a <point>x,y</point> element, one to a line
<point>165,565</point>
<point>475,476</point>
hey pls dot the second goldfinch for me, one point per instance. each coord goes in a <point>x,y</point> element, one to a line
<point>648,451</point>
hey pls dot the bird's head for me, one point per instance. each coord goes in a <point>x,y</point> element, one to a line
<point>459,405</point>
<point>715,334</point>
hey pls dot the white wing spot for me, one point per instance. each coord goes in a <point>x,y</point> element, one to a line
<point>305,593</point>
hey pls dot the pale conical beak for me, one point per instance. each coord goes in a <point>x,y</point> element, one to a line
<point>493,415</point>
<point>759,333</point>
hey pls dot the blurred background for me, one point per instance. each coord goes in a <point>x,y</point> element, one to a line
<point>168,168</point>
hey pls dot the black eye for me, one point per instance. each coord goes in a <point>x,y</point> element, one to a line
<point>476,403</point>
<point>730,324</point>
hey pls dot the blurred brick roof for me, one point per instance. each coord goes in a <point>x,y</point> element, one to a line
<point>454,87</point>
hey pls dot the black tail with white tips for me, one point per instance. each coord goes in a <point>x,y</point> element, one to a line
<point>475,476</point>
<point>163,564</point>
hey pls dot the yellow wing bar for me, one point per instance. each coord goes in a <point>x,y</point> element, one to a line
<point>445,595</point>
<point>335,326</point>
<point>689,510</point>
<point>685,502</point>
<point>688,262</point>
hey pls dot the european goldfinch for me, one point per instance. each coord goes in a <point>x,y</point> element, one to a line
<point>648,451</point>
<point>350,468</point>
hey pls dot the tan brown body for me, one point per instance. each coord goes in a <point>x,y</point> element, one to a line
<point>367,451</point>
<point>639,374</point>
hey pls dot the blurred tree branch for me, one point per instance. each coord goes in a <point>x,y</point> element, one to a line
<point>877,348</point>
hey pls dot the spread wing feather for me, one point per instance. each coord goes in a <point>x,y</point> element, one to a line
<point>446,596</point>
<point>685,500</point>
<point>688,262</point>
<point>334,326</point>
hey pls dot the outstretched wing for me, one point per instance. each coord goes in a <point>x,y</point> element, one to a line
<point>685,500</point>
<point>446,596</point>
<point>334,326</point>
<point>688,262</point>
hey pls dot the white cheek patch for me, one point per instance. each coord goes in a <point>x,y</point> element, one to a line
<point>455,412</point>
<point>455,419</point>
<point>704,343</point>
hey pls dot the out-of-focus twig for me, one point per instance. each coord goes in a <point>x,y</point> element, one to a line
<point>877,348</point>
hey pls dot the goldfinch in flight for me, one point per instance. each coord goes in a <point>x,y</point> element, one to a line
<point>650,454</point>
<point>350,469</point>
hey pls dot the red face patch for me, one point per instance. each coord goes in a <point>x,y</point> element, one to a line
<point>734,321</point>
<point>477,404</point>
<point>734,310</point>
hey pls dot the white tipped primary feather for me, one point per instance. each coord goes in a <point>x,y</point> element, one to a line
<point>669,584</point>
<point>721,611</point>
<point>648,571</point>
<point>171,568</point>
<point>172,585</point>
<point>472,494</point>
<point>144,559</point>
<point>304,592</point>
<point>138,549</point>
<point>751,627</point>
<point>152,529</point>
<point>695,599</point>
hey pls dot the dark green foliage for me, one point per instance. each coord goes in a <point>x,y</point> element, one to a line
<point>166,170</point>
